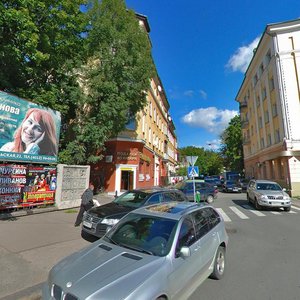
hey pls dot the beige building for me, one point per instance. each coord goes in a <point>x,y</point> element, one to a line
<point>145,154</point>
<point>269,99</point>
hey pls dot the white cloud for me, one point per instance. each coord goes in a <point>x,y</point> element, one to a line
<point>240,60</point>
<point>189,93</point>
<point>210,118</point>
<point>213,144</point>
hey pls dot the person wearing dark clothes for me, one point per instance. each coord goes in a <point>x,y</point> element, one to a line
<point>86,203</point>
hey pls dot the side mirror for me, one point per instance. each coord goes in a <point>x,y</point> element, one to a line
<point>185,252</point>
<point>284,189</point>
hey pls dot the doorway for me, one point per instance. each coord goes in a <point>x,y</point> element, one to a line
<point>126,180</point>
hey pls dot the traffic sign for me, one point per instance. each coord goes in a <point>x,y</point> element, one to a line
<point>193,171</point>
<point>192,159</point>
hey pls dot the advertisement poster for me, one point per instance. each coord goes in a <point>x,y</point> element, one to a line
<point>26,186</point>
<point>28,132</point>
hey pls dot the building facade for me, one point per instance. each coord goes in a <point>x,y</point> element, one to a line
<point>269,100</point>
<point>145,153</point>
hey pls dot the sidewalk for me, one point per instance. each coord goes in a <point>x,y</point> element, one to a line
<point>101,198</point>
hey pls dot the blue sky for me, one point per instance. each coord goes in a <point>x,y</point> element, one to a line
<point>201,49</point>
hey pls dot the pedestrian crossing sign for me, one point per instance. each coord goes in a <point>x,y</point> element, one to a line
<point>193,171</point>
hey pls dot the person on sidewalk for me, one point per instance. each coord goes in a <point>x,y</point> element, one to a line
<point>86,203</point>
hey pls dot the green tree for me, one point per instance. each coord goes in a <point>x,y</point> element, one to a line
<point>208,162</point>
<point>40,43</point>
<point>115,77</point>
<point>232,146</point>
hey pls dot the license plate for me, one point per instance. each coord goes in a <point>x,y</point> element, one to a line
<point>235,189</point>
<point>87,224</point>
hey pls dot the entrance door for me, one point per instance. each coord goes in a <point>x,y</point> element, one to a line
<point>126,180</point>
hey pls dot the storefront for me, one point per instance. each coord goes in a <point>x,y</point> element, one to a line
<point>128,165</point>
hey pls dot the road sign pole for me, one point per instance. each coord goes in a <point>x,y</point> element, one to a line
<point>194,188</point>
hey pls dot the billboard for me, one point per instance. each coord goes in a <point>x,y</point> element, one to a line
<point>26,186</point>
<point>28,132</point>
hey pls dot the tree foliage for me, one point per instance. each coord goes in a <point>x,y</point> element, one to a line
<point>232,146</point>
<point>93,65</point>
<point>208,162</point>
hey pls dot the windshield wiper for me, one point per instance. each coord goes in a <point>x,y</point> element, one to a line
<point>137,249</point>
<point>111,240</point>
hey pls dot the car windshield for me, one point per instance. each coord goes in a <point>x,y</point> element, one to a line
<point>142,233</point>
<point>132,199</point>
<point>230,182</point>
<point>268,187</point>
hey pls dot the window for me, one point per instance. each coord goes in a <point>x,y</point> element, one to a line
<point>257,101</point>
<point>150,109</point>
<point>277,136</point>
<point>262,143</point>
<point>269,140</point>
<point>267,119</point>
<point>264,93</point>
<point>201,223</point>
<point>154,199</point>
<point>255,79</point>
<point>260,122</point>
<point>186,235</point>
<point>268,57</point>
<point>261,69</point>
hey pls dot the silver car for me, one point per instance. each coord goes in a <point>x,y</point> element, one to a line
<point>265,193</point>
<point>162,251</point>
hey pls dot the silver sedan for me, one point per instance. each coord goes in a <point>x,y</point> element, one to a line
<point>163,251</point>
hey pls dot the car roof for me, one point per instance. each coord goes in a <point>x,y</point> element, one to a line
<point>171,210</point>
<point>264,181</point>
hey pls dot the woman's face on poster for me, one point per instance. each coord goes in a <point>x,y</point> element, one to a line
<point>31,130</point>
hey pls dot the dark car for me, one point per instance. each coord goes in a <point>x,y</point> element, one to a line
<point>98,220</point>
<point>207,191</point>
<point>231,186</point>
<point>244,184</point>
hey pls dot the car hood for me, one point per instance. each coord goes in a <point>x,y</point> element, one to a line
<point>275,194</point>
<point>104,270</point>
<point>110,209</point>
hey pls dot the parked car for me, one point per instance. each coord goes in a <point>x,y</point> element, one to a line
<point>207,191</point>
<point>211,181</point>
<point>243,183</point>
<point>162,251</point>
<point>265,193</point>
<point>231,186</point>
<point>98,220</point>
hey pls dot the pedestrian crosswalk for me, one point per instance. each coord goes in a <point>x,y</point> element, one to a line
<point>247,211</point>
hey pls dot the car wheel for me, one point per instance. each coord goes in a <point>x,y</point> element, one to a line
<point>287,208</point>
<point>257,206</point>
<point>219,264</point>
<point>210,199</point>
<point>248,198</point>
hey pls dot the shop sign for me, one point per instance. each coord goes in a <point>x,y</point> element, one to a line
<point>144,157</point>
<point>147,177</point>
<point>126,155</point>
<point>141,177</point>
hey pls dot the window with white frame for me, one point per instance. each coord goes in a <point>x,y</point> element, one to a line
<point>150,135</point>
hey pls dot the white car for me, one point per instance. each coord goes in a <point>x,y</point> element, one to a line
<point>265,193</point>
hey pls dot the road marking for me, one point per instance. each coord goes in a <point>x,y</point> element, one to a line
<point>275,213</point>
<point>238,212</point>
<point>222,213</point>
<point>256,212</point>
<point>292,212</point>
<point>295,207</point>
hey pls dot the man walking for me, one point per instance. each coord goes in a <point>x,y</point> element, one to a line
<point>86,203</point>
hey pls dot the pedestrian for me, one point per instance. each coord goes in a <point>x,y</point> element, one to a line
<point>86,203</point>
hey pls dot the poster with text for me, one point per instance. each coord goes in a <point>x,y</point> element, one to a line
<point>28,132</point>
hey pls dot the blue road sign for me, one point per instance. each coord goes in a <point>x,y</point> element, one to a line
<point>193,171</point>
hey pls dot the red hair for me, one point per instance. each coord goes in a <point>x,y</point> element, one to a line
<point>48,146</point>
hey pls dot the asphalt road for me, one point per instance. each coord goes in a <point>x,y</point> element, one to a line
<point>262,258</point>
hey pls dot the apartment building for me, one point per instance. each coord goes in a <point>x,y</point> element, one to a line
<point>269,101</point>
<point>145,153</point>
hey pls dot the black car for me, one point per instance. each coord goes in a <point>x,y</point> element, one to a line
<point>231,186</point>
<point>98,220</point>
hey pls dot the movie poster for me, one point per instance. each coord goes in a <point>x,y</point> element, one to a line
<point>28,132</point>
<point>26,186</point>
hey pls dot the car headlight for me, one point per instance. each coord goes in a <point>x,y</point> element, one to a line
<point>110,222</point>
<point>286,198</point>
<point>263,197</point>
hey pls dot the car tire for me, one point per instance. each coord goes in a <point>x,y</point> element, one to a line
<point>219,264</point>
<point>287,208</point>
<point>210,199</point>
<point>257,206</point>
<point>248,198</point>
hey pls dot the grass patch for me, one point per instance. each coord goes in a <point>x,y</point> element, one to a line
<point>71,211</point>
